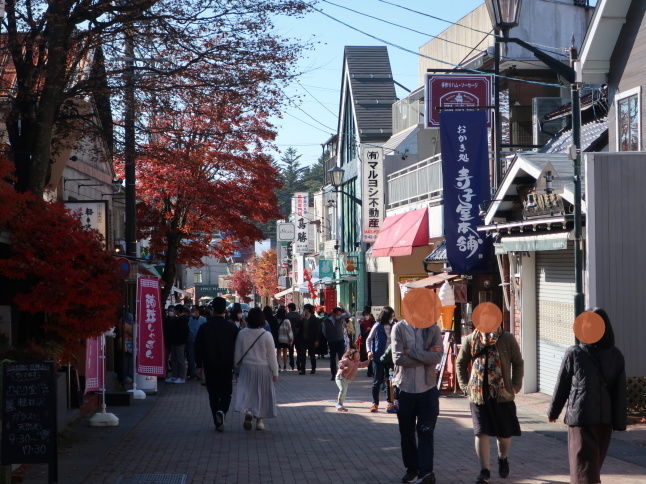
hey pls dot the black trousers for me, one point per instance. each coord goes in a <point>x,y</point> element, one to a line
<point>219,384</point>
<point>302,348</point>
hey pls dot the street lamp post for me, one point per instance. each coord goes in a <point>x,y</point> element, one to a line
<point>505,15</point>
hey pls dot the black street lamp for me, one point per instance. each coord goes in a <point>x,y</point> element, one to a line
<point>505,15</point>
<point>336,180</point>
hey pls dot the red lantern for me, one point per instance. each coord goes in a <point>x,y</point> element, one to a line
<point>308,277</point>
<point>305,272</point>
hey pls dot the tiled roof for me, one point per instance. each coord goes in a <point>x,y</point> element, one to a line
<point>373,90</point>
<point>439,254</point>
<point>592,134</point>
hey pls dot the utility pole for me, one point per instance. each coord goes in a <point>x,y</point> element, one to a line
<point>129,148</point>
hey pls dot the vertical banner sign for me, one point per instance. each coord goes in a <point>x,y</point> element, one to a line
<point>151,360</point>
<point>372,192</point>
<point>93,214</point>
<point>94,375</point>
<point>465,176</point>
<point>300,207</point>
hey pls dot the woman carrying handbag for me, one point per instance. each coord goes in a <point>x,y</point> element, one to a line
<point>255,361</point>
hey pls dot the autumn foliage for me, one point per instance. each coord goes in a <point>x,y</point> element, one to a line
<point>60,271</point>
<point>265,273</point>
<point>241,281</point>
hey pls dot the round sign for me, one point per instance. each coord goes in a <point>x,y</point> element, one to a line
<point>589,327</point>
<point>487,317</point>
<point>124,267</point>
<point>421,307</point>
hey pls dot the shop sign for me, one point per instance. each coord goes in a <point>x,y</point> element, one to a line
<point>465,178</point>
<point>372,192</point>
<point>454,91</point>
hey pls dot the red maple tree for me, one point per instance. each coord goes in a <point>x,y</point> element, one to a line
<point>265,273</point>
<point>204,182</point>
<point>60,272</point>
<point>242,281</point>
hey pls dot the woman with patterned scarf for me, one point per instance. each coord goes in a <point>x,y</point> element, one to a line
<point>496,376</point>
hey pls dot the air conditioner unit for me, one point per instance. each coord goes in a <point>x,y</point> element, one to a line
<point>540,107</point>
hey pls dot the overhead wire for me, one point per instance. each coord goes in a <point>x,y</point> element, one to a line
<point>466,26</point>
<point>429,57</point>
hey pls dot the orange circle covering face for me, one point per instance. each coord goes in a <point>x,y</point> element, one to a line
<point>589,327</point>
<point>487,317</point>
<point>421,307</point>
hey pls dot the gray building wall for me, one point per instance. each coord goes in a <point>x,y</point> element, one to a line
<point>615,232</point>
<point>627,67</point>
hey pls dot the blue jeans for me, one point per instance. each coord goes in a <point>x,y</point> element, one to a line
<point>190,356</point>
<point>343,384</point>
<point>417,414</point>
<point>377,379</point>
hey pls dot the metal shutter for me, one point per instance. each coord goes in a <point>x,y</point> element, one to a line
<point>555,312</point>
<point>379,288</point>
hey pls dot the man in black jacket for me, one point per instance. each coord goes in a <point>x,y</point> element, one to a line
<point>296,321</point>
<point>310,331</point>
<point>177,338</point>
<point>214,349</point>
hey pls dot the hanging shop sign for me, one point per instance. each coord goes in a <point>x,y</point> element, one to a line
<point>454,91</point>
<point>465,173</point>
<point>93,214</point>
<point>372,191</point>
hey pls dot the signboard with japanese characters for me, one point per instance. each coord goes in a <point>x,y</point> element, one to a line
<point>465,177</point>
<point>453,91</point>
<point>372,191</point>
<point>303,242</point>
<point>93,214</point>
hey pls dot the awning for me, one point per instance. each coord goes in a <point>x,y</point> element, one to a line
<point>284,293</point>
<point>181,291</point>
<point>431,280</point>
<point>533,243</point>
<point>400,233</point>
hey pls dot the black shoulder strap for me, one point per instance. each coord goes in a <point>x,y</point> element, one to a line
<point>249,349</point>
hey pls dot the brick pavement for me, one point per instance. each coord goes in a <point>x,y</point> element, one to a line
<point>173,433</point>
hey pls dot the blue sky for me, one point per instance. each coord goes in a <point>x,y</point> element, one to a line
<point>311,124</point>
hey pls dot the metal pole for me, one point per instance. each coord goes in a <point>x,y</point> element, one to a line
<point>129,148</point>
<point>578,222</point>
<point>498,118</point>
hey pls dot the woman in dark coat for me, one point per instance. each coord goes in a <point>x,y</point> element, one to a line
<point>592,380</point>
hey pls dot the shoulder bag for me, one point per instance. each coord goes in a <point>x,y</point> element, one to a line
<point>249,349</point>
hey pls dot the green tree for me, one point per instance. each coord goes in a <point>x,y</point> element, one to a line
<point>291,174</point>
<point>314,175</point>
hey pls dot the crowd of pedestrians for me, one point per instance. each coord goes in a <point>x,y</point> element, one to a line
<point>220,347</point>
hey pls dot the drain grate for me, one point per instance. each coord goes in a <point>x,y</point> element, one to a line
<point>152,479</point>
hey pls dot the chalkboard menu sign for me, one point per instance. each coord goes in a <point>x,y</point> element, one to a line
<point>29,413</point>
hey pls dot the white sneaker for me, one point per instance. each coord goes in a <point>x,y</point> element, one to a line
<point>170,380</point>
<point>179,380</point>
<point>260,425</point>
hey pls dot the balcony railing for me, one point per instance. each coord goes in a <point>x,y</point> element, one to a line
<point>421,181</point>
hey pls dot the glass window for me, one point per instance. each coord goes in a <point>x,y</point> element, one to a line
<point>628,122</point>
<point>197,277</point>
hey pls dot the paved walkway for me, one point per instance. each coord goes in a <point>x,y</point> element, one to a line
<point>172,433</point>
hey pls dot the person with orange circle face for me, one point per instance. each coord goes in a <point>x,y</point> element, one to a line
<point>496,376</point>
<point>592,380</point>
<point>417,349</point>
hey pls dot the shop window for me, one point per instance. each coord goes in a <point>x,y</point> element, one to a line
<point>628,120</point>
<point>197,277</point>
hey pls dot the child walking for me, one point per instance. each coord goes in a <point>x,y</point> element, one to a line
<point>348,367</point>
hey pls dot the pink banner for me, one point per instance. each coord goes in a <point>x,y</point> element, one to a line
<point>150,331</point>
<point>94,376</point>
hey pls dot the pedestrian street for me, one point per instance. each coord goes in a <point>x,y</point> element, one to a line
<point>172,434</point>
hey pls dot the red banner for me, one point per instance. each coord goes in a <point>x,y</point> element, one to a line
<point>94,377</point>
<point>453,91</point>
<point>150,332</point>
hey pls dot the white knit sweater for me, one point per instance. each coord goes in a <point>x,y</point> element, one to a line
<point>262,353</point>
